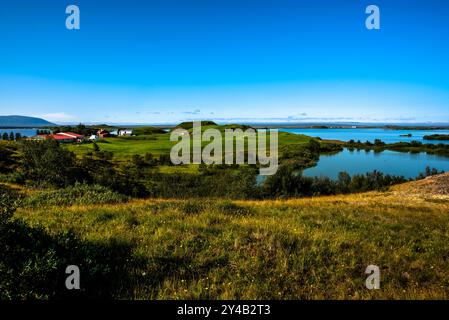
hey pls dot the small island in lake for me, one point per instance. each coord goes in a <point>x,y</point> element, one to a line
<point>406,135</point>
<point>437,137</point>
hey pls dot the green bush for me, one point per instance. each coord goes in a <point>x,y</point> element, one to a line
<point>230,208</point>
<point>45,162</point>
<point>79,194</point>
<point>13,177</point>
<point>8,203</point>
<point>33,263</point>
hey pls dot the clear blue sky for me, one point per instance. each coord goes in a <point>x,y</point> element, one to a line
<point>240,61</point>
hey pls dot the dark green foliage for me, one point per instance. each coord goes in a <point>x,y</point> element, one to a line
<point>95,147</point>
<point>164,159</point>
<point>150,160</point>
<point>230,208</point>
<point>33,262</point>
<point>100,154</point>
<point>8,157</point>
<point>301,156</point>
<point>139,131</point>
<point>103,173</point>
<point>314,146</point>
<point>288,182</point>
<point>42,131</point>
<point>11,136</point>
<point>437,137</point>
<point>45,162</point>
<point>189,125</point>
<point>379,143</point>
<point>429,172</point>
<point>413,146</point>
<point>80,129</point>
<point>8,204</point>
<point>223,183</point>
<point>138,161</point>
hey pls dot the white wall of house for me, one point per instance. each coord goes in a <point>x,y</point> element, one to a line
<point>125,132</point>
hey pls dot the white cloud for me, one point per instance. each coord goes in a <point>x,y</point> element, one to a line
<point>58,116</point>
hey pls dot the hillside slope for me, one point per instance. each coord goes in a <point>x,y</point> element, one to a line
<point>309,248</point>
<point>431,186</point>
<point>23,121</point>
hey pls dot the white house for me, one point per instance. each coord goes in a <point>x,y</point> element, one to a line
<point>125,132</point>
<point>94,137</point>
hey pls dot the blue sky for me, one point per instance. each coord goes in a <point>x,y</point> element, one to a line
<point>232,61</point>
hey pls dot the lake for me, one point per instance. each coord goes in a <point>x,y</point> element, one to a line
<point>409,165</point>
<point>29,132</point>
<point>388,136</point>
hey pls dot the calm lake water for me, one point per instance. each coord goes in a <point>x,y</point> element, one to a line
<point>24,132</point>
<point>388,136</point>
<point>408,165</point>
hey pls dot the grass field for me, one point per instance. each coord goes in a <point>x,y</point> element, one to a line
<point>124,147</point>
<point>157,144</point>
<point>308,248</point>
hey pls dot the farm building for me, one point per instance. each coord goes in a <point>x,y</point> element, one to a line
<point>63,137</point>
<point>94,137</point>
<point>76,136</point>
<point>102,133</point>
<point>125,132</point>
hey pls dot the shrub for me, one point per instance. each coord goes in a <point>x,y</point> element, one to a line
<point>230,208</point>
<point>33,263</point>
<point>81,194</point>
<point>7,205</point>
<point>46,162</point>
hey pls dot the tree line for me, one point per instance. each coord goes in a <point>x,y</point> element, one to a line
<point>11,136</point>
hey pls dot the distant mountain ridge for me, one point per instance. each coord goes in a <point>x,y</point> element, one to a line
<point>23,121</point>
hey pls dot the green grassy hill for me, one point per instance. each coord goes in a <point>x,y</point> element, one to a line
<point>157,144</point>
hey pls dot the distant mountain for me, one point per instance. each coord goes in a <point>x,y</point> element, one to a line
<point>23,122</point>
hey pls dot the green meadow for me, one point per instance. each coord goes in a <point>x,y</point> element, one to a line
<point>311,248</point>
<point>157,144</point>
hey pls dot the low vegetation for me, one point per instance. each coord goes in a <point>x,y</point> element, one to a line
<point>437,137</point>
<point>311,248</point>
<point>79,194</point>
<point>413,146</point>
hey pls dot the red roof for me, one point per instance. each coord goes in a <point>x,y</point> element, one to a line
<point>71,134</point>
<point>56,136</point>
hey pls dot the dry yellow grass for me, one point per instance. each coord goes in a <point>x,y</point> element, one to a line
<point>310,248</point>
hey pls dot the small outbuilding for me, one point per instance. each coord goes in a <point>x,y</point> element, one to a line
<point>94,137</point>
<point>125,132</point>
<point>102,133</point>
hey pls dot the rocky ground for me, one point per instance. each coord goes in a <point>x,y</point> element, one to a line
<point>435,185</point>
